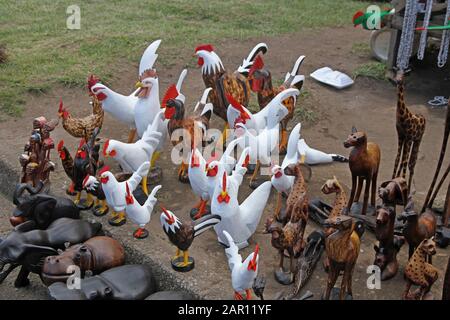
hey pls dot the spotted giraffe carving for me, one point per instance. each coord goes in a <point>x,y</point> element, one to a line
<point>410,129</point>
<point>339,206</point>
<point>419,272</point>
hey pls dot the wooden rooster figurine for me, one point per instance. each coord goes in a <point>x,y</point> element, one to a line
<point>115,191</point>
<point>261,82</point>
<point>181,235</point>
<point>122,107</point>
<point>132,155</point>
<point>243,273</point>
<point>83,127</point>
<point>240,220</point>
<point>193,127</point>
<point>84,163</point>
<point>140,215</point>
<point>222,82</point>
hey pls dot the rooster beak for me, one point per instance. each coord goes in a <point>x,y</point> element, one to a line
<point>139,84</point>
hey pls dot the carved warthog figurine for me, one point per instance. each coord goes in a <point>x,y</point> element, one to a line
<point>28,249</point>
<point>95,255</point>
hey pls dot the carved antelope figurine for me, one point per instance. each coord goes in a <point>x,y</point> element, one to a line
<point>364,162</point>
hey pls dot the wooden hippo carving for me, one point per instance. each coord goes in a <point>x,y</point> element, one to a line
<point>128,282</point>
<point>39,207</point>
<point>28,249</point>
<point>95,255</point>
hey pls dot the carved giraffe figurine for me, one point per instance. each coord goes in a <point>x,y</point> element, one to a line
<point>364,162</point>
<point>419,272</point>
<point>410,129</point>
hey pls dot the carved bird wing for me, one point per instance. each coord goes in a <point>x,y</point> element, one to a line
<point>151,200</point>
<point>136,178</point>
<point>232,252</point>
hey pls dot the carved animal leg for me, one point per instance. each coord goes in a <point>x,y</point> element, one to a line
<point>155,156</point>
<point>238,296</point>
<point>177,254</point>
<point>366,196</point>
<point>358,189</point>
<point>255,173</point>
<point>201,209</point>
<point>401,141</point>
<point>144,185</point>
<point>348,280</point>
<point>89,200</point>
<point>332,277</point>
<point>182,173</point>
<point>248,294</point>
<point>373,189</point>
<point>281,265</point>
<point>405,157</point>
<point>408,286</point>
<point>283,141</point>
<point>77,198</point>
<point>412,161</point>
<point>131,135</point>
<point>22,278</point>
<point>278,206</point>
<point>223,138</point>
<point>352,193</point>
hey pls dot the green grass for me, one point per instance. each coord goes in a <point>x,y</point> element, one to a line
<point>42,52</point>
<point>374,70</point>
<point>361,49</point>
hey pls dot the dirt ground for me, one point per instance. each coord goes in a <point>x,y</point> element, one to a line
<point>368,104</point>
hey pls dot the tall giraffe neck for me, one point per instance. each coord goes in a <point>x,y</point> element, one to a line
<point>402,111</point>
<point>340,202</point>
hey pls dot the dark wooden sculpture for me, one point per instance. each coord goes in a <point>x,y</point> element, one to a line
<point>181,235</point>
<point>260,80</point>
<point>85,163</point>
<point>27,249</point>
<point>364,162</point>
<point>96,255</point>
<point>35,161</point>
<point>342,248</point>
<point>443,232</point>
<point>410,129</point>
<point>421,273</point>
<point>417,227</point>
<point>446,288</point>
<point>315,245</point>
<point>394,192</point>
<point>388,244</point>
<point>289,238</point>
<point>128,282</point>
<point>40,208</point>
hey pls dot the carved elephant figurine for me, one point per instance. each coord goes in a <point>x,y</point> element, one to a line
<point>27,247</point>
<point>95,255</point>
<point>39,207</point>
<point>128,282</point>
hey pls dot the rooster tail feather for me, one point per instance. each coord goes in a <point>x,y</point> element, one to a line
<point>247,62</point>
<point>205,223</point>
<point>293,78</point>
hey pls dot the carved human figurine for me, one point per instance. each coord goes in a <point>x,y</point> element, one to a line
<point>410,129</point>
<point>421,273</point>
<point>35,161</point>
<point>364,162</point>
<point>342,248</point>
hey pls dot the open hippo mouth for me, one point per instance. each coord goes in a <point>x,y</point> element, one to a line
<point>5,269</point>
<point>49,278</point>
